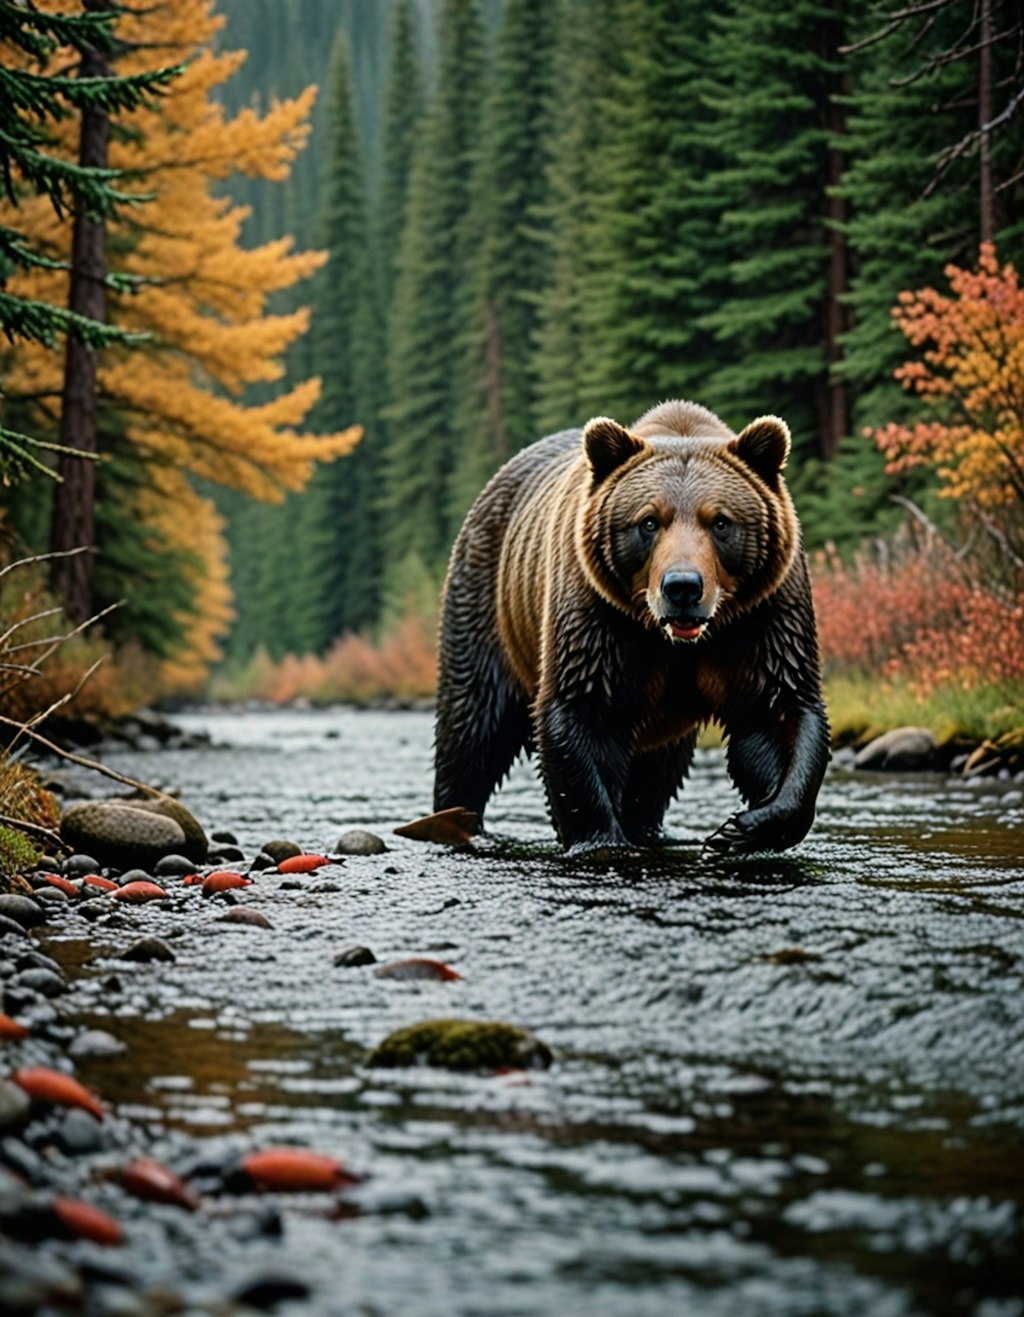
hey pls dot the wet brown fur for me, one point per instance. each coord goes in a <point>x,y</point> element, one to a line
<point>555,633</point>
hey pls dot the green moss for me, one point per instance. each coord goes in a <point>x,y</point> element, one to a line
<point>462,1045</point>
<point>16,851</point>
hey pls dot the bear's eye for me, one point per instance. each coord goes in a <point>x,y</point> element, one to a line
<point>649,525</point>
<point>721,524</point>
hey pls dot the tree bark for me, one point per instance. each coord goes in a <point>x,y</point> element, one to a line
<point>73,523</point>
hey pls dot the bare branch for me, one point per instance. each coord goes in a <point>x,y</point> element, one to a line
<point>33,829</point>
<point>80,760</point>
<point>1002,540</point>
<point>895,22</point>
<point>970,139</point>
<point>25,621</point>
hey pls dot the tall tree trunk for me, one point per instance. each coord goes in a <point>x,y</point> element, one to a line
<point>986,224</point>
<point>73,523</point>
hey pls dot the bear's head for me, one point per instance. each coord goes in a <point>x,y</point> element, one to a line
<point>685,523</point>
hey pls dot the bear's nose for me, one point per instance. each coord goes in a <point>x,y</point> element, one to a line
<point>682,588</point>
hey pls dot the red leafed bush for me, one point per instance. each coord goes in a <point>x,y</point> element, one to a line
<point>984,648</point>
<point>914,611</point>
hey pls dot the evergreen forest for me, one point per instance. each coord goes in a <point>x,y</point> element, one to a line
<point>538,212</point>
<point>501,217</point>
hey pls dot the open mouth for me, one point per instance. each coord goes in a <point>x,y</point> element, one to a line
<point>684,628</point>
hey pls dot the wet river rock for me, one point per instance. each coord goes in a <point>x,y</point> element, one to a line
<point>904,749</point>
<point>24,911</point>
<point>148,949</point>
<point>786,1085</point>
<point>357,841</point>
<point>279,848</point>
<point>124,834</point>
<point>470,1045</point>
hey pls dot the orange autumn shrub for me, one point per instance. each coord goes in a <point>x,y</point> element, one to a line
<point>971,376</point>
<point>916,613</point>
<point>401,665</point>
<point>985,646</point>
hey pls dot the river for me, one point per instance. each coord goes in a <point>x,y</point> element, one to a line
<point>791,1085</point>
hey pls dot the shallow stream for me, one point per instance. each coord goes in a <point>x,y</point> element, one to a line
<point>782,1086</point>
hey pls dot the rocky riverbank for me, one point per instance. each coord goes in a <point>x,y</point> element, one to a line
<point>86,1191</point>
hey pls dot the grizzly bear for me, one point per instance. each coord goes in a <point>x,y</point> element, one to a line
<point>610,593</point>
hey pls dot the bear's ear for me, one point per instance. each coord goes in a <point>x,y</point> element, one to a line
<point>764,446</point>
<point>607,445</point>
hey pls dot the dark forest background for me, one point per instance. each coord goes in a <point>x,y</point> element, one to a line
<point>541,210</point>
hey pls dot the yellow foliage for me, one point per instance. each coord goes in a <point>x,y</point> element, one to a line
<point>190,523</point>
<point>202,299</point>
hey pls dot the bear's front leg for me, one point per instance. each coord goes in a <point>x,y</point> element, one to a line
<point>584,767</point>
<point>778,763</point>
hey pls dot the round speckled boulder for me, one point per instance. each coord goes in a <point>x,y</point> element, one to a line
<point>463,1045</point>
<point>196,844</point>
<point>128,833</point>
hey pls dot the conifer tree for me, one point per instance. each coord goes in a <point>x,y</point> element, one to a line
<point>776,72</point>
<point>498,305</point>
<point>586,59</point>
<point>403,110</point>
<point>35,96</point>
<point>912,201</point>
<point>423,327</point>
<point>910,214</point>
<point>341,564</point>
<point>651,243</point>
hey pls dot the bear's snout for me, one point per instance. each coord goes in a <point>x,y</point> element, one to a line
<point>682,604</point>
<point>683,588</point>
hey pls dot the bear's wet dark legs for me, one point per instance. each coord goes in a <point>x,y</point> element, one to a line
<point>482,725</point>
<point>778,765</point>
<point>653,781</point>
<point>584,771</point>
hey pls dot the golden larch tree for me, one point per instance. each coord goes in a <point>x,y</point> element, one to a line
<point>199,305</point>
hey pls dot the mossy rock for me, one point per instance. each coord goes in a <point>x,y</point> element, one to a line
<point>463,1045</point>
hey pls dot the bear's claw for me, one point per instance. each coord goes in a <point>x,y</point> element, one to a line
<point>735,836</point>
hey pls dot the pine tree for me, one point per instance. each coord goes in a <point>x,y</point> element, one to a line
<point>34,97</point>
<point>423,328</point>
<point>586,57</point>
<point>401,120</point>
<point>776,72</point>
<point>650,244</point>
<point>498,306</point>
<point>341,564</point>
<point>912,201</point>
<point>908,214</point>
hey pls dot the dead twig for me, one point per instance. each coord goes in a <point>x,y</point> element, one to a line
<point>80,760</point>
<point>33,829</point>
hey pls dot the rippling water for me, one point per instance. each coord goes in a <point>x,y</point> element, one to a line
<point>782,1086</point>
